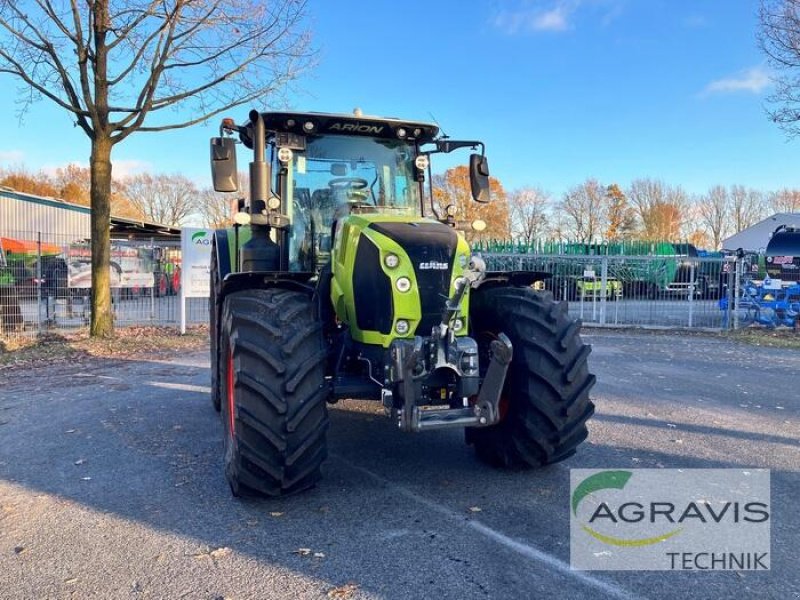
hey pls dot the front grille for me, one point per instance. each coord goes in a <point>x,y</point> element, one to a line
<point>426,243</point>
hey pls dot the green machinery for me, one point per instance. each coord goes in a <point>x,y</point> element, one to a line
<point>340,280</point>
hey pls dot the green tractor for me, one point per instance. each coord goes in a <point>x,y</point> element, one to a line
<point>334,283</point>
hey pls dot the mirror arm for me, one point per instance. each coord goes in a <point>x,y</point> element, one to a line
<point>447,146</point>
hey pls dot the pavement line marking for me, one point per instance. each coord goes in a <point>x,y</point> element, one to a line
<point>183,387</point>
<point>555,563</point>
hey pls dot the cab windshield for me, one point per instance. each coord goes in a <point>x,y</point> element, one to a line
<point>338,175</point>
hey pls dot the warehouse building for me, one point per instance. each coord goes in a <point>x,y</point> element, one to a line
<point>49,220</point>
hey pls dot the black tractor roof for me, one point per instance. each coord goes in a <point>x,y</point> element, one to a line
<point>314,123</point>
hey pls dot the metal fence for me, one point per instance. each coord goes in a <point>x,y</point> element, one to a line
<point>45,283</point>
<point>645,291</point>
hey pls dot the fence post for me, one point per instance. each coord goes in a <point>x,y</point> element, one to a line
<point>692,288</point>
<point>39,282</point>
<point>153,287</point>
<point>736,284</point>
<point>603,289</point>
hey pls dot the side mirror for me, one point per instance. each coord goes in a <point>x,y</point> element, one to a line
<point>223,165</point>
<point>479,177</point>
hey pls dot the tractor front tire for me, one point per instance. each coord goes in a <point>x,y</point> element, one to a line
<point>274,392</point>
<point>545,401</point>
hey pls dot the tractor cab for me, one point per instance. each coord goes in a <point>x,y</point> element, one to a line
<point>319,168</point>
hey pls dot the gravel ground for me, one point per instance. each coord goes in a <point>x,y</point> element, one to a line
<point>111,486</point>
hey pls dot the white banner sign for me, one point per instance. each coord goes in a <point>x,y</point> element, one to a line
<point>196,262</point>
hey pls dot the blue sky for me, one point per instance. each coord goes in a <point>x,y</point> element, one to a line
<point>559,90</point>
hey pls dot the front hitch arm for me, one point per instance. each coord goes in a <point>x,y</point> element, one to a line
<point>487,405</point>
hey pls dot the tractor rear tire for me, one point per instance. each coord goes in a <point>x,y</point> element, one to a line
<point>274,411</point>
<point>545,401</point>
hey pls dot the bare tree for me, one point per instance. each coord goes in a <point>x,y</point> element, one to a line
<point>217,209</point>
<point>660,208</point>
<point>214,208</point>
<point>747,207</point>
<point>785,200</point>
<point>779,39</point>
<point>583,207</point>
<point>165,199</point>
<point>713,210</point>
<point>144,66</point>
<point>528,207</point>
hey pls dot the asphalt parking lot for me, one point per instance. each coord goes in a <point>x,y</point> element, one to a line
<point>111,486</point>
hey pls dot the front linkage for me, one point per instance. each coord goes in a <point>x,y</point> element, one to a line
<point>444,361</point>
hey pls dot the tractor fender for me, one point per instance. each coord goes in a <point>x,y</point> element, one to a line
<point>265,280</point>
<point>512,278</point>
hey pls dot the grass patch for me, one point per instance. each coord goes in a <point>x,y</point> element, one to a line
<point>783,337</point>
<point>770,338</point>
<point>127,342</point>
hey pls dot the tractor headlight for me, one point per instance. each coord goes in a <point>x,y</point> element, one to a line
<point>274,203</point>
<point>391,260</point>
<point>421,162</point>
<point>402,133</point>
<point>285,155</point>
<point>458,325</point>
<point>401,327</point>
<point>403,284</point>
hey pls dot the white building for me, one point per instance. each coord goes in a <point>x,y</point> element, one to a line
<point>756,237</point>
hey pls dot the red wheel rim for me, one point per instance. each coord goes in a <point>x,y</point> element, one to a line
<point>230,392</point>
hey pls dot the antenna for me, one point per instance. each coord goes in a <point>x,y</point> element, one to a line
<point>442,134</point>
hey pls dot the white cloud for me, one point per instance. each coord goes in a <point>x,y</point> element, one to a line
<point>552,20</point>
<point>11,156</point>
<point>120,168</point>
<point>554,16</point>
<point>126,168</point>
<point>555,19</point>
<point>754,81</point>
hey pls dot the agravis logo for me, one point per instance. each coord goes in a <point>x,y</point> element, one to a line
<point>670,519</point>
<point>199,238</point>
<point>613,480</point>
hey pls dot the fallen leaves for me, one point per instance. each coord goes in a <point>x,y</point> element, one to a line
<point>220,552</point>
<point>215,554</point>
<point>76,347</point>
<point>343,592</point>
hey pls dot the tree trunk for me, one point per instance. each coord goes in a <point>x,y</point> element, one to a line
<point>102,324</point>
